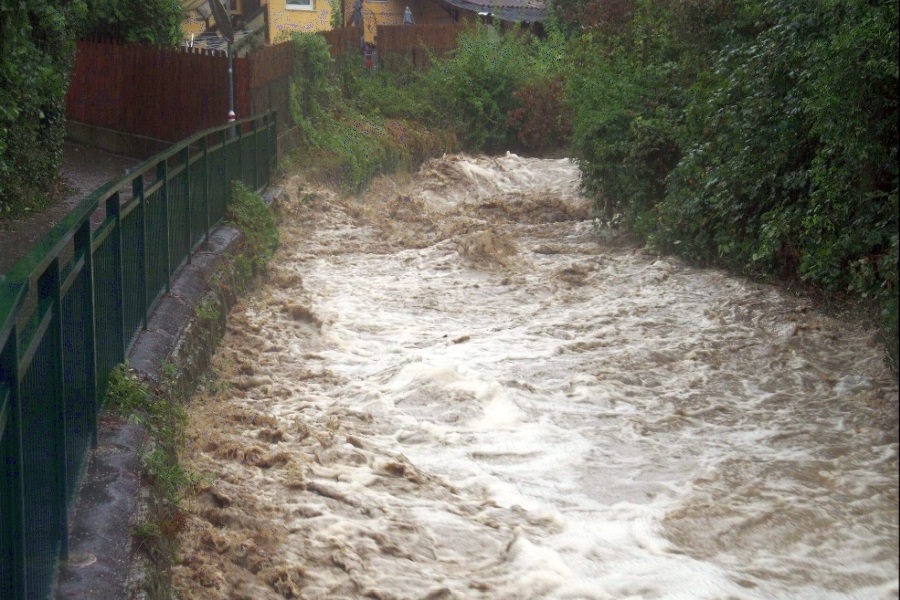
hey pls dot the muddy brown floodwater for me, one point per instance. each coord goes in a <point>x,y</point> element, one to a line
<point>456,387</point>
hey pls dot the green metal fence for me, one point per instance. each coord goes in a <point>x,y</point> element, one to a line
<point>70,311</point>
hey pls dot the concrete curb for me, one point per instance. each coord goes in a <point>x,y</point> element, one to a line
<point>103,563</point>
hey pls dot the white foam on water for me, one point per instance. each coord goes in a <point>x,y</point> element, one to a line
<point>584,422</point>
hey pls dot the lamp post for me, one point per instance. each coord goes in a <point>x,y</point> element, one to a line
<point>224,24</point>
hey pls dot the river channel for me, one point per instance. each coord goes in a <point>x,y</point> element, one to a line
<point>456,386</point>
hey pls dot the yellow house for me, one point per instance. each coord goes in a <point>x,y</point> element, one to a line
<point>280,18</point>
<point>288,16</point>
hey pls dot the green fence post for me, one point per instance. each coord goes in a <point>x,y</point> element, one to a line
<point>204,148</point>
<point>114,212</point>
<point>273,142</point>
<point>240,145</point>
<point>49,294</point>
<point>162,174</point>
<point>12,491</point>
<point>256,131</point>
<point>187,195</point>
<point>137,194</point>
<point>224,138</point>
<point>83,248</point>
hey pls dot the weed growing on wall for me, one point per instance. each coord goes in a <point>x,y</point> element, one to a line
<point>165,422</point>
<point>248,212</point>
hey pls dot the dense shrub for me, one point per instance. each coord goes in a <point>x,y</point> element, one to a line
<point>345,138</point>
<point>473,91</point>
<point>248,212</point>
<point>312,91</point>
<point>757,134</point>
<point>489,91</point>
<point>37,45</point>
<point>36,52</point>
<point>356,122</point>
<point>155,22</point>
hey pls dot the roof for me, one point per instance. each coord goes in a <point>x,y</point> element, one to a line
<point>506,10</point>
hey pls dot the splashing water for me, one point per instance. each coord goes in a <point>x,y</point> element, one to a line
<point>453,389</point>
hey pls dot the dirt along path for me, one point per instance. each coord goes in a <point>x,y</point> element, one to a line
<point>456,387</point>
<point>83,170</point>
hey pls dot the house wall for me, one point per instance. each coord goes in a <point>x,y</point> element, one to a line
<point>285,20</point>
<point>193,24</point>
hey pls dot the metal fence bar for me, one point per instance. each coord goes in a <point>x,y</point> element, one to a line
<point>54,369</point>
<point>137,194</point>
<point>186,161</point>
<point>83,249</point>
<point>49,294</point>
<point>13,574</point>
<point>162,175</point>
<point>204,200</point>
<point>114,214</point>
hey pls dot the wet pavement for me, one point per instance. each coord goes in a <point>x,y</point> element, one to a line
<point>83,169</point>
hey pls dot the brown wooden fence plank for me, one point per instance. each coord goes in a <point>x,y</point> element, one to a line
<point>166,94</point>
<point>392,38</point>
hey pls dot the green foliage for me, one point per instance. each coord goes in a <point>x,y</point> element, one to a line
<point>356,122</point>
<point>391,93</point>
<point>337,14</point>
<point>37,48</point>
<point>758,134</point>
<point>494,92</point>
<point>155,22</point>
<point>248,212</point>
<point>472,92</point>
<point>338,140</point>
<point>36,52</point>
<point>125,394</point>
<point>543,122</point>
<point>165,421</point>
<point>312,91</point>
<point>208,310</point>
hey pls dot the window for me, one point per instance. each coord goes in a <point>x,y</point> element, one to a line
<point>299,4</point>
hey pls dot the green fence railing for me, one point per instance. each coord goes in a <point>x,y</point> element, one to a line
<point>70,311</point>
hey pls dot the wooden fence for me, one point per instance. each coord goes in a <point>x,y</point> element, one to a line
<point>410,41</point>
<point>169,94</point>
<point>270,82</point>
<point>342,40</point>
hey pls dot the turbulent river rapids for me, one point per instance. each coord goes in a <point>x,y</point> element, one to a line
<point>456,386</point>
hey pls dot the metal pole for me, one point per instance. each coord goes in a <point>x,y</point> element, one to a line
<point>230,88</point>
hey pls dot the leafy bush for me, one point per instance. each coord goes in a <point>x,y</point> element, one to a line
<point>472,92</point>
<point>543,121</point>
<point>345,137</point>
<point>248,212</point>
<point>312,91</point>
<point>155,22</point>
<point>760,134</point>
<point>492,88</point>
<point>37,47</point>
<point>36,52</point>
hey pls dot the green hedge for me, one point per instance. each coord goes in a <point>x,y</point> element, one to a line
<point>36,52</point>
<point>756,134</point>
<point>37,47</point>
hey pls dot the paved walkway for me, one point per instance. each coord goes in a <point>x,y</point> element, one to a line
<point>84,169</point>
